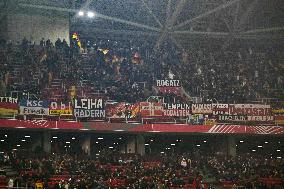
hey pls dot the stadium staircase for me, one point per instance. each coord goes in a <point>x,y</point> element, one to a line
<point>56,90</point>
<point>184,94</point>
<point>3,182</point>
<point>6,172</point>
<point>190,98</point>
<point>9,171</point>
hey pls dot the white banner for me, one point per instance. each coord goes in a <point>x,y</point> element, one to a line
<point>201,108</point>
<point>34,107</point>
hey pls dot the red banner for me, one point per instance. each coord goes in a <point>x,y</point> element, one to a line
<point>104,126</point>
<point>149,109</point>
<point>169,90</point>
<point>279,119</point>
<point>122,110</point>
<point>116,110</point>
<point>243,112</point>
<point>8,106</point>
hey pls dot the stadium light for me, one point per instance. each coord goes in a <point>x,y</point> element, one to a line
<point>259,146</point>
<point>73,138</point>
<point>27,136</point>
<point>278,150</point>
<point>90,14</point>
<point>198,145</point>
<point>18,145</point>
<point>146,144</point>
<point>2,140</point>
<point>111,147</point>
<point>6,136</point>
<point>101,138</point>
<point>266,142</point>
<point>241,141</point>
<point>81,13</point>
<point>253,150</point>
<point>23,140</point>
<point>97,142</point>
<point>204,141</point>
<point>55,137</point>
<point>67,142</point>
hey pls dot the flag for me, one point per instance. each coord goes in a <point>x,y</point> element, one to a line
<point>136,58</point>
<point>8,109</point>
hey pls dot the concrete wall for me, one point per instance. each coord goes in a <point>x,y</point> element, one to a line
<point>34,27</point>
<point>3,20</point>
<point>22,18</point>
<point>3,27</point>
<point>86,145</point>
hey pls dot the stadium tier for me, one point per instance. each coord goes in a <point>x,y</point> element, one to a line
<point>151,94</point>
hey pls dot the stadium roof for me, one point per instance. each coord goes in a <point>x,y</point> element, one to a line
<point>178,21</point>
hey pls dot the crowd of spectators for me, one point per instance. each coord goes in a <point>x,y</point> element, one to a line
<point>133,171</point>
<point>239,75</point>
<point>118,73</point>
<point>246,169</point>
<point>127,70</point>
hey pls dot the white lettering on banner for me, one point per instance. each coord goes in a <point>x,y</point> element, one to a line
<point>202,108</point>
<point>89,113</point>
<point>244,118</point>
<point>88,104</point>
<point>250,109</point>
<point>177,113</point>
<point>220,109</point>
<point>9,99</point>
<point>232,118</point>
<point>176,106</point>
<point>168,83</point>
<point>61,106</point>
<point>34,103</point>
<point>260,118</point>
<point>53,105</point>
<point>33,110</point>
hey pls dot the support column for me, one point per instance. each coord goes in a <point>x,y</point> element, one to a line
<point>231,146</point>
<point>131,145</point>
<point>140,145</point>
<point>37,143</point>
<point>86,145</point>
<point>46,142</point>
<point>134,144</point>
